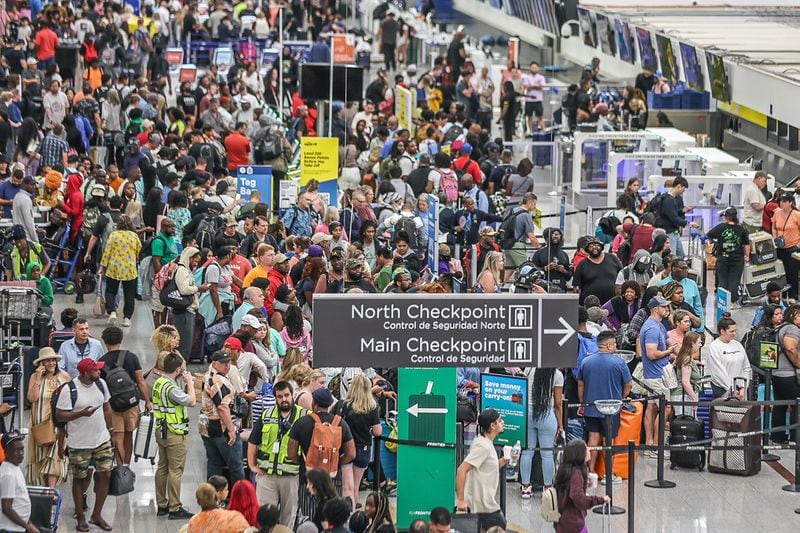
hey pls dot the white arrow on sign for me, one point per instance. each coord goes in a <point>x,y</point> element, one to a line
<point>415,410</point>
<point>568,331</point>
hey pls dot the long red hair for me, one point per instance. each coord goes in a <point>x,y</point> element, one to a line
<point>243,499</point>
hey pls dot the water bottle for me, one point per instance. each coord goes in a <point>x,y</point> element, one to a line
<point>511,469</point>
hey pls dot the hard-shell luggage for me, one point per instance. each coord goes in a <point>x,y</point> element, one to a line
<point>728,419</point>
<point>196,353</point>
<point>703,413</point>
<point>145,446</point>
<point>542,155</point>
<point>630,428</point>
<point>684,429</point>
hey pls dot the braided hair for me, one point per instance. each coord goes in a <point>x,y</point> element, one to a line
<point>542,392</point>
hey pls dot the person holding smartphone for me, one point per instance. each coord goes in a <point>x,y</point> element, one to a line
<point>83,404</point>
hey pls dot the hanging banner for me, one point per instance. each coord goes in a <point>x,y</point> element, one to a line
<point>427,413</point>
<point>404,108</point>
<point>509,396</point>
<point>250,178</point>
<point>344,48</point>
<point>513,51</point>
<point>319,160</point>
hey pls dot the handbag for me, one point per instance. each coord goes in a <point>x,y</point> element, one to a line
<point>170,296</point>
<point>44,433</point>
<point>466,410</point>
<point>123,479</point>
<point>668,376</point>
<point>240,407</point>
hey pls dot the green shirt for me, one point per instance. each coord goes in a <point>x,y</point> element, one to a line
<point>165,248</point>
<point>384,278</point>
<point>46,288</point>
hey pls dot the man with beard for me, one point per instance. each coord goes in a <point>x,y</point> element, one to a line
<point>336,271</point>
<point>277,275</point>
<point>485,244</point>
<point>354,278</point>
<point>597,273</point>
<point>277,477</point>
<point>553,260</point>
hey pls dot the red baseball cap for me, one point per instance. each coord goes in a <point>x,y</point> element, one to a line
<point>234,343</point>
<point>88,364</point>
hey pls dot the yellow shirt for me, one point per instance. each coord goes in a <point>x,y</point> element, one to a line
<point>257,272</point>
<point>121,255</point>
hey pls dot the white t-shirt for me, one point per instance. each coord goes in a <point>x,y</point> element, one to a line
<point>87,432</point>
<point>13,486</point>
<point>484,478</point>
<point>726,362</point>
<point>558,381</point>
<point>435,177</point>
<point>752,195</point>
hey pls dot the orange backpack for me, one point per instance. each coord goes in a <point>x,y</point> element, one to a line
<point>326,443</point>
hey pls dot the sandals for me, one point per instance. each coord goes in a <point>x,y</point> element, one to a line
<point>102,524</point>
<point>82,527</point>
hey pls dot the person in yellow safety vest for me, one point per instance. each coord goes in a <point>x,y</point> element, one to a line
<point>278,478</point>
<point>22,253</point>
<point>172,427</point>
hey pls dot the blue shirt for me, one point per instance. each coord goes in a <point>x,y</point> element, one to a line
<point>238,315</point>
<point>603,375</point>
<point>691,295</point>
<point>297,222</point>
<point>7,192</point>
<point>653,332</point>
<point>763,307</point>
<point>71,356</point>
<point>465,374</point>
<point>587,345</point>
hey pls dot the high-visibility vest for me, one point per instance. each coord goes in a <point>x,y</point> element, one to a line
<point>166,411</point>
<point>268,460</point>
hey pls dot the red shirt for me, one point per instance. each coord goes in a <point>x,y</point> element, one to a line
<point>240,267</point>
<point>469,167</point>
<point>238,148</point>
<point>46,44</point>
<point>766,215</point>
<point>642,239</point>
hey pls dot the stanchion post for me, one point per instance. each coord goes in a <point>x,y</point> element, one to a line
<point>631,485</point>
<point>767,438</point>
<point>612,509</point>
<point>376,483</point>
<point>562,214</point>
<point>660,482</point>
<point>795,487</point>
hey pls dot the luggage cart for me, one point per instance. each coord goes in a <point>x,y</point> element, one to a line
<point>45,508</point>
<point>61,254</point>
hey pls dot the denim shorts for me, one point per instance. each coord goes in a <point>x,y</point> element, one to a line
<point>363,456</point>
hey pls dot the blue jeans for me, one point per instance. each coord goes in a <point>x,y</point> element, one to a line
<point>675,244</point>
<point>541,431</point>
<point>219,455</point>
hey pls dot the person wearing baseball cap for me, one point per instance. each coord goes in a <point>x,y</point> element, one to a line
<point>88,438</point>
<point>221,434</point>
<point>657,352</point>
<point>302,431</point>
<point>354,278</point>
<point>16,510</point>
<point>478,477</point>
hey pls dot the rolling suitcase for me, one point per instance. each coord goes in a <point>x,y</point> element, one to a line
<point>728,418</point>
<point>703,412</point>
<point>145,446</point>
<point>684,429</point>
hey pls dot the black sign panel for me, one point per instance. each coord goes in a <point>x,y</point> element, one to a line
<point>430,330</point>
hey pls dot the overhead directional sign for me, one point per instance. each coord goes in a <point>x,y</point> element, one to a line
<point>434,330</point>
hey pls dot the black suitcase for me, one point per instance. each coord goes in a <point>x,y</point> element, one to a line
<point>729,418</point>
<point>542,155</point>
<point>684,429</point>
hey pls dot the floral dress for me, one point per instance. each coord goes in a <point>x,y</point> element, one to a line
<point>43,460</point>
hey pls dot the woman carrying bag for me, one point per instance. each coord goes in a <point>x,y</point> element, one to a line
<point>46,466</point>
<point>185,283</point>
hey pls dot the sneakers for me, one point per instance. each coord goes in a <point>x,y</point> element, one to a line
<point>180,514</point>
<point>162,511</point>
<point>112,318</point>
<point>615,480</point>
<point>526,492</point>
<point>126,322</point>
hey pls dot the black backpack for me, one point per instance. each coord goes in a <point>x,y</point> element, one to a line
<point>121,387</point>
<point>654,206</point>
<point>269,148</point>
<point>624,250</point>
<point>506,237</point>
<point>206,229</point>
<point>73,396</point>
<point>752,342</point>
<point>453,133</point>
<point>407,225</point>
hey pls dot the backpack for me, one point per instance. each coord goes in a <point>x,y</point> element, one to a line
<point>132,131</point>
<point>145,41</point>
<point>409,226</point>
<point>461,171</point>
<point>121,387</point>
<point>90,51</point>
<point>291,133</point>
<point>624,250</point>
<point>147,247</point>
<point>73,395</point>
<point>108,56</point>
<point>506,237</point>
<point>269,148</point>
<point>90,217</point>
<point>335,386</point>
<point>654,206</point>
<point>325,445</point>
<point>549,508</point>
<point>752,342</point>
<point>453,133</point>
<point>206,229</point>
<point>448,183</point>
